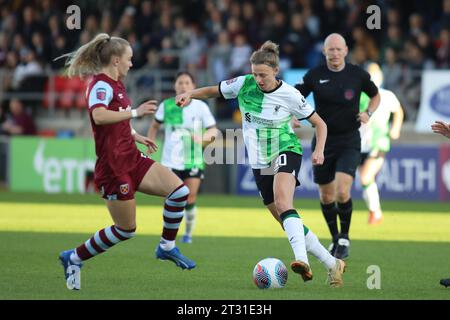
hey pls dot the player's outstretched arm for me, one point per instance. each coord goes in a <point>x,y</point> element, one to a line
<point>321,136</point>
<point>183,100</point>
<point>441,128</point>
<point>103,116</point>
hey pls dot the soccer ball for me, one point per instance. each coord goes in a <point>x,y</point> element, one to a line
<point>270,273</point>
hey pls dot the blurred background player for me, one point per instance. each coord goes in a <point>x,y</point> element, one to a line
<point>375,141</point>
<point>337,87</point>
<point>183,142</point>
<point>267,105</point>
<point>121,169</point>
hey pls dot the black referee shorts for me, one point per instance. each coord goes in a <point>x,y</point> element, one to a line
<point>342,154</point>
<point>289,162</point>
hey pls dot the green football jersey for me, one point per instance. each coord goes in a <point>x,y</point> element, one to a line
<point>180,152</point>
<point>266,117</point>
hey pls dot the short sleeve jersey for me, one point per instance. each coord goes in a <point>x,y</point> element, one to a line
<point>266,117</point>
<point>337,94</point>
<point>375,133</point>
<point>180,151</point>
<point>116,150</point>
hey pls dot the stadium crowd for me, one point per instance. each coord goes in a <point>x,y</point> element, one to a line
<point>219,35</point>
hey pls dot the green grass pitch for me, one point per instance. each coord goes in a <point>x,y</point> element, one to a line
<point>411,248</point>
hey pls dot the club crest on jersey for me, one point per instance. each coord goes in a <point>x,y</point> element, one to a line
<point>101,93</point>
<point>349,94</point>
<point>230,81</point>
<point>124,188</point>
<point>277,107</point>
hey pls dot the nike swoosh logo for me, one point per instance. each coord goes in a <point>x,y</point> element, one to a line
<point>323,81</point>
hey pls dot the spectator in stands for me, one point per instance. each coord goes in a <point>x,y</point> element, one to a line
<point>416,25</point>
<point>297,41</point>
<point>3,48</point>
<point>361,38</point>
<point>106,24</point>
<point>180,35</point>
<point>59,47</point>
<point>331,18</point>
<point>18,122</point>
<point>145,19</point>
<point>2,120</point>
<point>312,22</point>
<point>40,46</point>
<point>29,66</point>
<point>213,24</point>
<point>444,21</point>
<point>394,39</point>
<point>12,61</point>
<point>412,77</point>
<point>251,19</point>
<point>358,55</point>
<point>443,49</point>
<point>392,70</point>
<point>147,79</point>
<point>30,24</point>
<point>219,57</point>
<point>169,58</point>
<point>424,43</point>
<point>240,53</point>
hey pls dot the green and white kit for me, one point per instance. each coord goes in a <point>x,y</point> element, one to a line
<point>375,133</point>
<point>180,151</point>
<point>266,117</point>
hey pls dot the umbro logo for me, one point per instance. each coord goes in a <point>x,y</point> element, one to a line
<point>324,81</point>
<point>120,95</point>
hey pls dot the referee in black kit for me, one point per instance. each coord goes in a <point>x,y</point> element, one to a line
<point>337,87</point>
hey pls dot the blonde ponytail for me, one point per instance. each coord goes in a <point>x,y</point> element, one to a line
<point>94,55</point>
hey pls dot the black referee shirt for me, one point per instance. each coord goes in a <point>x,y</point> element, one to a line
<point>336,95</point>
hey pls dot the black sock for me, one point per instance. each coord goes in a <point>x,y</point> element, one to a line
<point>330,213</point>
<point>345,216</point>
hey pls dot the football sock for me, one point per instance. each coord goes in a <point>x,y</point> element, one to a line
<point>100,242</point>
<point>314,247</point>
<point>172,216</point>
<point>191,213</point>
<point>345,216</point>
<point>330,212</point>
<point>293,226</point>
<point>372,197</point>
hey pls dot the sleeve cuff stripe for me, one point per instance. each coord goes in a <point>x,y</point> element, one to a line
<point>220,91</point>
<point>307,116</point>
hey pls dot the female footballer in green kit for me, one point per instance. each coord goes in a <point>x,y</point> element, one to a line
<point>267,106</point>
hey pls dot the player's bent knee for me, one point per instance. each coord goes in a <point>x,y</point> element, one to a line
<point>181,191</point>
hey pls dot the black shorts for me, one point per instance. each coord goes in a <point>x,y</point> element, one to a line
<point>189,173</point>
<point>342,154</point>
<point>289,162</point>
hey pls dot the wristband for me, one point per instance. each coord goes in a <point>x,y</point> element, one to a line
<point>369,113</point>
<point>134,113</point>
<point>133,132</point>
